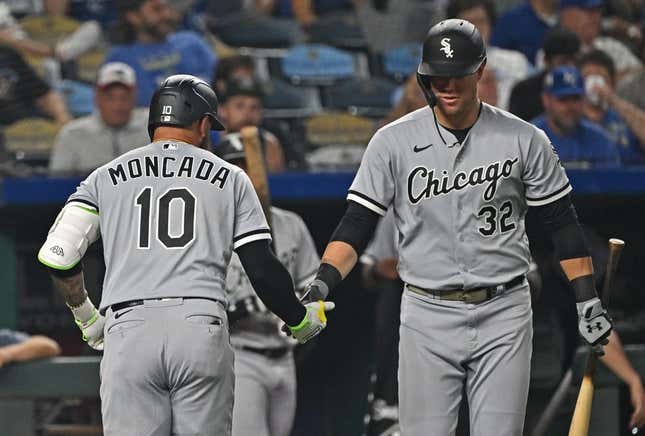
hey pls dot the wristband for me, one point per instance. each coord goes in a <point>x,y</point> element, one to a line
<point>329,274</point>
<point>584,288</point>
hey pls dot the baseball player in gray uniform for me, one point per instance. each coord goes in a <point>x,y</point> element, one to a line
<point>265,373</point>
<point>170,215</point>
<point>460,175</point>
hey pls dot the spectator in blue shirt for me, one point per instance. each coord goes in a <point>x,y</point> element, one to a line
<point>579,142</point>
<point>154,51</point>
<point>20,347</point>
<point>624,122</point>
<point>523,27</point>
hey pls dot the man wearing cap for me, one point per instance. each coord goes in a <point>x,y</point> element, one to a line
<point>584,18</point>
<point>241,107</point>
<point>114,128</point>
<point>578,142</point>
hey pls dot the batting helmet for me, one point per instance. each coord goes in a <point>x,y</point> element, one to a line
<point>231,148</point>
<point>181,100</point>
<point>452,48</point>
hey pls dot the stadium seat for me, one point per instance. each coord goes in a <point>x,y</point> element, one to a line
<point>255,30</point>
<point>367,97</point>
<point>402,61</point>
<point>340,30</point>
<point>88,65</point>
<point>282,100</point>
<point>317,64</point>
<point>335,128</point>
<point>30,140</point>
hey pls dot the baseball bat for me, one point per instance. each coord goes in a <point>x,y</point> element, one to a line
<point>255,167</point>
<point>582,413</point>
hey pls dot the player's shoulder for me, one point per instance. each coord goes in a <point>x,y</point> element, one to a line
<point>507,121</point>
<point>419,116</point>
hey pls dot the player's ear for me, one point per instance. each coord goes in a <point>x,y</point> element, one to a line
<point>480,70</point>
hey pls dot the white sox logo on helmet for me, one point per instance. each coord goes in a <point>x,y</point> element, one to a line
<point>446,48</point>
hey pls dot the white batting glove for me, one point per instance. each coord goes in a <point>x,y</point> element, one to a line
<point>91,323</point>
<point>314,321</point>
<point>594,325</point>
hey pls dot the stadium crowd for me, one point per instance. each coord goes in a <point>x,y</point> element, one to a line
<point>308,72</point>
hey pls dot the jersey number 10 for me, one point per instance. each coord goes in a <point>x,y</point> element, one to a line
<point>187,202</point>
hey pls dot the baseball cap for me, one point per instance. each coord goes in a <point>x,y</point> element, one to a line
<point>116,72</point>
<point>245,86</point>
<point>584,4</point>
<point>564,81</point>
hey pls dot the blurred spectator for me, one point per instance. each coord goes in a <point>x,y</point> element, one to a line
<point>523,27</point>
<point>488,87</point>
<point>633,89</point>
<point>411,100</point>
<point>232,68</point>
<point>306,12</point>
<point>250,23</point>
<point>579,142</point>
<point>101,11</point>
<point>115,128</point>
<point>623,121</point>
<point>21,8</point>
<point>20,347</point>
<point>584,18</point>
<point>561,47</point>
<point>52,34</point>
<point>23,94</point>
<point>150,46</point>
<point>241,106</point>
<point>509,66</point>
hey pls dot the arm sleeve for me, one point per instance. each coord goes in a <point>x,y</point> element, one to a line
<point>307,259</point>
<point>373,186</point>
<point>544,177</point>
<point>250,223</point>
<point>271,281</point>
<point>356,227</point>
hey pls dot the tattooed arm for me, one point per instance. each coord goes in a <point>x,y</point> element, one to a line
<point>72,289</point>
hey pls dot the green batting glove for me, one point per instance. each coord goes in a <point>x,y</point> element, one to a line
<point>314,321</point>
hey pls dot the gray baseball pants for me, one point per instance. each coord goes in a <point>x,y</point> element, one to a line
<point>265,394</point>
<point>445,345</point>
<point>167,369</point>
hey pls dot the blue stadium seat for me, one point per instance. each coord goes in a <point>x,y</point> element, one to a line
<point>317,64</point>
<point>282,100</point>
<point>402,61</point>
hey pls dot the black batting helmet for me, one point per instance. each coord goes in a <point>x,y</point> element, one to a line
<point>231,148</point>
<point>452,48</point>
<point>181,100</point>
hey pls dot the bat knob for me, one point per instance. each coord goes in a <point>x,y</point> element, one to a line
<point>635,430</point>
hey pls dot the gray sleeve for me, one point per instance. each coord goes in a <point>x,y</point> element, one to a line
<point>63,158</point>
<point>250,223</point>
<point>383,245</point>
<point>12,337</point>
<point>544,177</point>
<point>88,192</point>
<point>307,260</point>
<point>373,186</point>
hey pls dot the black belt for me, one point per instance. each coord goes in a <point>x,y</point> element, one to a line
<point>123,305</point>
<point>476,295</point>
<point>271,353</point>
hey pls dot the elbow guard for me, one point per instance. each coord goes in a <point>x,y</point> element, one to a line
<point>76,227</point>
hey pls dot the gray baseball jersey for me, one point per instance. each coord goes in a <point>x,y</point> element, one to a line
<point>170,214</point>
<point>384,243</point>
<point>295,248</point>
<point>459,207</point>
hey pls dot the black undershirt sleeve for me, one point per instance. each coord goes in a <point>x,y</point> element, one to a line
<point>356,227</point>
<point>271,281</point>
<point>561,223</point>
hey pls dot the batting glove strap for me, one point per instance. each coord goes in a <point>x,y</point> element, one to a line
<point>90,322</point>
<point>315,291</point>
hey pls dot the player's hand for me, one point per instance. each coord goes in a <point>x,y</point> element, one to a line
<point>314,321</point>
<point>594,325</point>
<point>315,291</point>
<point>637,398</point>
<point>91,323</point>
